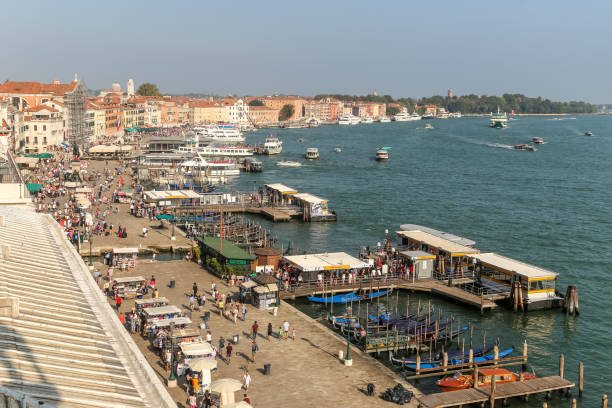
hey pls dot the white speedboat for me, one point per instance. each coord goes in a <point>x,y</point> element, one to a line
<point>427,115</point>
<point>348,120</point>
<point>367,119</point>
<point>272,146</point>
<point>385,119</point>
<point>287,163</point>
<point>537,140</point>
<point>415,116</point>
<point>312,153</point>
<point>221,133</point>
<point>337,150</point>
<point>428,126</point>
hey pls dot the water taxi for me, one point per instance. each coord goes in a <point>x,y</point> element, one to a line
<point>272,146</point>
<point>524,146</point>
<point>498,119</point>
<point>337,149</point>
<point>461,381</point>
<point>588,133</point>
<point>287,163</point>
<point>382,154</point>
<point>428,126</point>
<point>384,119</point>
<point>537,140</point>
<point>312,153</point>
<point>367,119</point>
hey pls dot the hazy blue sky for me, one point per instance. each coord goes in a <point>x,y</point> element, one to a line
<point>555,49</point>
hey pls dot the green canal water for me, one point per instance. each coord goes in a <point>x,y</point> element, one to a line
<point>551,208</point>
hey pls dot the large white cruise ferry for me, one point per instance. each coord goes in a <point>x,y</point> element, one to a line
<point>220,133</point>
<point>348,120</point>
<point>216,151</point>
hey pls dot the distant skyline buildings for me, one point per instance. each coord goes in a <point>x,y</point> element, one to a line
<point>403,49</point>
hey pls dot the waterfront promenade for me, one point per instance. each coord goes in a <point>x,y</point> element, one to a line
<point>304,373</point>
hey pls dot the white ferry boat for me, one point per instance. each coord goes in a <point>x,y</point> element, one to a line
<point>216,168</point>
<point>272,146</point>
<point>382,154</point>
<point>221,133</point>
<point>402,117</point>
<point>312,153</point>
<point>348,120</point>
<point>498,119</point>
<point>217,151</point>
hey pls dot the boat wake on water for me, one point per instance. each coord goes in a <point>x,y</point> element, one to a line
<point>499,145</point>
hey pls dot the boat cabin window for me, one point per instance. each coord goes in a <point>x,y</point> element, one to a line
<point>541,285</point>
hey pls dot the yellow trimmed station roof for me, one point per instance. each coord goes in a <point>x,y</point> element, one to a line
<point>414,255</point>
<point>513,266</point>
<point>437,242</point>
<point>281,188</point>
<point>325,262</point>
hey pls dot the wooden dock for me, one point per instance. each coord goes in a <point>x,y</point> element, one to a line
<point>502,391</point>
<point>276,214</point>
<point>427,285</point>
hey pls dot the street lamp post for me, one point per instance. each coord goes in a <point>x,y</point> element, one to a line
<point>90,243</point>
<point>172,378</point>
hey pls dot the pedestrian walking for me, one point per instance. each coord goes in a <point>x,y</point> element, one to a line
<point>228,353</point>
<point>286,329</point>
<point>280,332</point>
<point>221,345</point>
<point>118,302</point>
<point>195,289</point>
<point>293,333</point>
<point>244,311</point>
<point>254,328</point>
<point>254,350</point>
<point>269,330</point>
<point>246,379</point>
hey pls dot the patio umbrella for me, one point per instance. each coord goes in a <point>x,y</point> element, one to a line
<point>226,387</point>
<point>199,364</point>
<point>240,404</point>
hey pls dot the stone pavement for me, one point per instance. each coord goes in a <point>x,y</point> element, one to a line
<point>304,373</point>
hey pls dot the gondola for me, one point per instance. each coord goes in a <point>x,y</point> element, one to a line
<point>451,355</point>
<point>347,298</point>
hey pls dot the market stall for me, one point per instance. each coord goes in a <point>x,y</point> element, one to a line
<point>265,296</point>
<point>150,303</point>
<point>130,286</point>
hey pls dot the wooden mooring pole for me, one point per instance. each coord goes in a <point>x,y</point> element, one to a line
<point>580,378</point>
<point>561,365</point>
<point>492,396</point>
<point>604,401</point>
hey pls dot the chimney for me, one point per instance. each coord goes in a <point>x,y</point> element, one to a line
<point>6,251</point>
<point>210,99</point>
<point>56,81</point>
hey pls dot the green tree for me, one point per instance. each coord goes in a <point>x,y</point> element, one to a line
<point>148,89</point>
<point>392,110</point>
<point>286,112</point>
<point>256,102</point>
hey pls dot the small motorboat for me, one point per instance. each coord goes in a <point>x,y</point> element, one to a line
<point>337,149</point>
<point>428,126</point>
<point>537,140</point>
<point>288,163</point>
<point>461,381</point>
<point>350,297</point>
<point>300,140</point>
<point>588,133</point>
<point>382,154</point>
<point>524,146</point>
